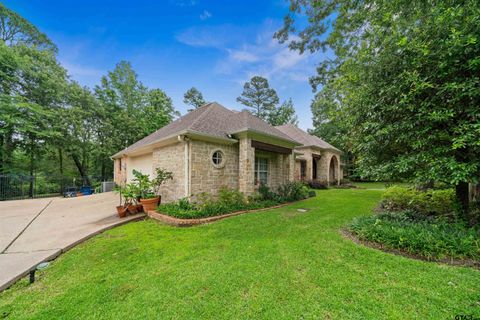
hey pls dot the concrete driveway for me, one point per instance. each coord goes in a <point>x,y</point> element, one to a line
<point>37,230</point>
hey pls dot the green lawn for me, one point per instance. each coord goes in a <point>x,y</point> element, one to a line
<point>380,184</point>
<point>278,264</point>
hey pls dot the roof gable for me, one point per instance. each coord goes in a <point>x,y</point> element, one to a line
<point>304,138</point>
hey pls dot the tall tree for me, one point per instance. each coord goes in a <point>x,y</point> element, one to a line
<point>15,30</point>
<point>193,98</point>
<point>406,81</point>
<point>158,112</point>
<point>258,96</point>
<point>284,114</point>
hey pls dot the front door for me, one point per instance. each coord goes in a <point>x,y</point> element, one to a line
<point>314,169</point>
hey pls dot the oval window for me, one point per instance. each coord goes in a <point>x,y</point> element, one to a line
<point>217,158</point>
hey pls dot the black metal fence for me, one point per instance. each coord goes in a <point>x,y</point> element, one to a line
<point>14,186</point>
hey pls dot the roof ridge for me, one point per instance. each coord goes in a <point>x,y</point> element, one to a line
<point>209,106</point>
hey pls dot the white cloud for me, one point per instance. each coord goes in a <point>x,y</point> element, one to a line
<point>205,15</point>
<point>242,55</point>
<point>77,70</point>
<point>184,3</point>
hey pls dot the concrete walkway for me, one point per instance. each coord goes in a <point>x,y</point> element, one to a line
<point>37,230</point>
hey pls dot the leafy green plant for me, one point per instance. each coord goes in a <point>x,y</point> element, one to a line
<point>293,191</point>
<point>431,238</point>
<point>149,188</point>
<point>430,202</point>
<point>315,184</point>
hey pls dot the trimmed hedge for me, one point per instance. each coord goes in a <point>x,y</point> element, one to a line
<point>430,202</point>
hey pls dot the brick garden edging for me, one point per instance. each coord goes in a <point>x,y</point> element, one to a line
<point>178,222</point>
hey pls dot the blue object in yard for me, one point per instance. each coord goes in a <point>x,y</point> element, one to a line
<point>86,191</point>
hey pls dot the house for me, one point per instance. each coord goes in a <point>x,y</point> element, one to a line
<point>315,159</point>
<point>212,146</point>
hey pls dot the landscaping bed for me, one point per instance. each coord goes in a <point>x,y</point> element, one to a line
<point>232,201</point>
<point>421,224</point>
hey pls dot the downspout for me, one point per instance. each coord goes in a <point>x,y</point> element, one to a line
<point>186,166</point>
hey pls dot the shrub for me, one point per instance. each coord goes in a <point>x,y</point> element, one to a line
<point>315,184</point>
<point>292,191</point>
<point>227,201</point>
<point>430,202</point>
<point>312,193</point>
<point>430,238</point>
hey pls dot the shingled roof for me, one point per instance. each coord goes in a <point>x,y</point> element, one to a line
<point>304,138</point>
<point>211,119</point>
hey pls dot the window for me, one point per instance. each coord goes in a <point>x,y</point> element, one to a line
<point>303,169</point>
<point>120,164</point>
<point>218,158</point>
<point>261,170</point>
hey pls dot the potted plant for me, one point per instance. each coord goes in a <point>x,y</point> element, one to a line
<point>122,208</point>
<point>149,189</point>
<point>129,193</point>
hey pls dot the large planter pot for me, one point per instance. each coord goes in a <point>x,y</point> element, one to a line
<point>150,204</point>
<point>132,208</point>
<point>121,211</point>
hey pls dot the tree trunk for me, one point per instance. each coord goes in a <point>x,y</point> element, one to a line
<point>81,170</point>
<point>103,170</point>
<point>462,193</point>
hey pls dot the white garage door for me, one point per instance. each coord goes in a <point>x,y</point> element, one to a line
<point>141,163</point>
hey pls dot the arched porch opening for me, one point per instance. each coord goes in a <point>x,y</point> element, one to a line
<point>333,174</point>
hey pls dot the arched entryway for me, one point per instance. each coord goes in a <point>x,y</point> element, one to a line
<point>333,170</point>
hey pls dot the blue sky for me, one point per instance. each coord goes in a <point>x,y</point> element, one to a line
<point>175,44</point>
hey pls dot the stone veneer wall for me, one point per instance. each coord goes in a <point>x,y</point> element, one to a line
<point>280,167</point>
<point>171,158</point>
<point>205,177</point>
<point>324,167</point>
<point>120,174</point>
<point>246,164</point>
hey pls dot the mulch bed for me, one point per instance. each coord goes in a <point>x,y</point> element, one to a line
<point>375,245</point>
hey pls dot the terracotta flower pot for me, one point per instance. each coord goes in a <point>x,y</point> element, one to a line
<point>132,208</point>
<point>150,204</point>
<point>121,211</point>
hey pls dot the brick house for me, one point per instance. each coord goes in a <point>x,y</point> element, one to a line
<point>212,146</point>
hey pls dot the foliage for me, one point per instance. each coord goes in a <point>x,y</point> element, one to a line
<point>206,205</point>
<point>227,201</point>
<point>432,239</point>
<point>429,202</point>
<point>284,114</point>
<point>266,256</point>
<point>258,96</point>
<point>193,98</point>
<point>292,191</point>
<point>403,82</point>
<point>129,192</point>
<point>316,184</point>
<point>149,188</point>
<point>15,30</point>
<point>50,125</point>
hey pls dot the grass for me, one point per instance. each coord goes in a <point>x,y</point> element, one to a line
<point>380,184</point>
<point>278,264</point>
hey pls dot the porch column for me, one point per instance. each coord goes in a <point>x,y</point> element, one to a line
<point>291,166</point>
<point>246,165</point>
